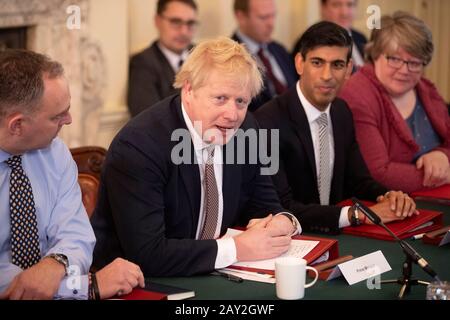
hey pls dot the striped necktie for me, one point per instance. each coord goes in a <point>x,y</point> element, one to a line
<point>324,174</point>
<point>211,198</point>
<point>25,250</point>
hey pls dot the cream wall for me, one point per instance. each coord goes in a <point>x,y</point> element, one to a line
<point>108,26</point>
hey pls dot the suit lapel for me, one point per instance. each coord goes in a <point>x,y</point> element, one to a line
<point>339,152</point>
<point>190,174</point>
<point>230,186</point>
<point>166,68</point>
<point>301,127</point>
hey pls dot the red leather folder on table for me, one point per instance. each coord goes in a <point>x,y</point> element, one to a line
<point>157,291</point>
<point>324,245</point>
<point>435,237</point>
<point>403,229</point>
<point>438,195</point>
<point>141,294</point>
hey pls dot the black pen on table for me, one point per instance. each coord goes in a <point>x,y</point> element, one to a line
<point>230,277</point>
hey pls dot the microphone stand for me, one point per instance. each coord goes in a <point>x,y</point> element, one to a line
<point>406,281</point>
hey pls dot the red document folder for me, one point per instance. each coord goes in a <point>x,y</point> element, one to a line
<point>402,229</point>
<point>157,291</point>
<point>142,294</point>
<point>438,195</point>
<point>324,245</point>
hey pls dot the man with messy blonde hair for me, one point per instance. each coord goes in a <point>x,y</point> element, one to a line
<point>230,58</point>
<point>168,215</point>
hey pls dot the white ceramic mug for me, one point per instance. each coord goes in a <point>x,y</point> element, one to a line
<point>290,274</point>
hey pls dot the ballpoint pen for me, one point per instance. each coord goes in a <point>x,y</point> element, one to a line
<point>230,277</point>
<point>418,236</point>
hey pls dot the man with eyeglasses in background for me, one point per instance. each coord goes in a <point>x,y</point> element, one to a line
<point>153,70</point>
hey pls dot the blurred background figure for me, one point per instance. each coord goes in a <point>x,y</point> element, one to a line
<point>342,12</point>
<point>153,70</point>
<point>256,21</point>
<point>402,122</point>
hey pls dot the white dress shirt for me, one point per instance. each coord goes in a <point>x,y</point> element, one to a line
<point>226,248</point>
<point>357,58</point>
<point>173,58</point>
<point>312,114</point>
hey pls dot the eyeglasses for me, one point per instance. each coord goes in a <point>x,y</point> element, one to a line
<point>397,63</point>
<point>179,23</point>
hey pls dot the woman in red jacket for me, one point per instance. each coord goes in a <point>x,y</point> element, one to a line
<point>402,123</point>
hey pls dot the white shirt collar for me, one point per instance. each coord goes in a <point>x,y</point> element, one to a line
<point>252,45</point>
<point>198,142</point>
<point>312,113</point>
<point>173,58</point>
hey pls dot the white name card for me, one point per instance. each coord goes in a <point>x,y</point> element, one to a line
<point>362,268</point>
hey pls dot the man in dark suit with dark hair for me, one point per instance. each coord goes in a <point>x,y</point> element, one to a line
<point>320,161</point>
<point>152,71</point>
<point>342,12</point>
<point>166,207</point>
<point>256,19</point>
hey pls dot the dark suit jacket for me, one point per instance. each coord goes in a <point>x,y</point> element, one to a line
<point>296,181</point>
<point>150,79</point>
<point>360,40</point>
<point>148,207</point>
<point>287,66</point>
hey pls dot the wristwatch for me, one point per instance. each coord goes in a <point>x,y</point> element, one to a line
<point>293,221</point>
<point>354,217</point>
<point>61,258</point>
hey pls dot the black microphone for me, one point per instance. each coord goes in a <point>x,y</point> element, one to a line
<point>367,212</point>
<point>407,249</point>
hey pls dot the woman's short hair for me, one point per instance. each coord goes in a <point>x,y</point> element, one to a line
<point>401,30</point>
<point>225,55</point>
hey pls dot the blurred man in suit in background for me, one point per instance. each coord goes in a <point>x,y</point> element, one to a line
<point>256,21</point>
<point>153,70</point>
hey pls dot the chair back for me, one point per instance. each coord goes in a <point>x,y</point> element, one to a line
<point>89,161</point>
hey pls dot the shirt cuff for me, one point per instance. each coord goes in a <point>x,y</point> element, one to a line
<point>73,287</point>
<point>226,253</point>
<point>295,220</point>
<point>343,219</point>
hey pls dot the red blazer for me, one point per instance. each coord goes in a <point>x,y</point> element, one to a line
<point>386,142</point>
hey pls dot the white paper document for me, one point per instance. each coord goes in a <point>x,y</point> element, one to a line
<point>249,275</point>
<point>298,249</point>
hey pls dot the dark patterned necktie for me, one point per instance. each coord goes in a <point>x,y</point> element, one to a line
<point>24,232</point>
<point>211,199</point>
<point>324,180</point>
<point>279,87</point>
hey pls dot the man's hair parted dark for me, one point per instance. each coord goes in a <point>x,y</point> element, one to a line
<point>162,5</point>
<point>241,5</point>
<point>22,79</point>
<point>325,34</point>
